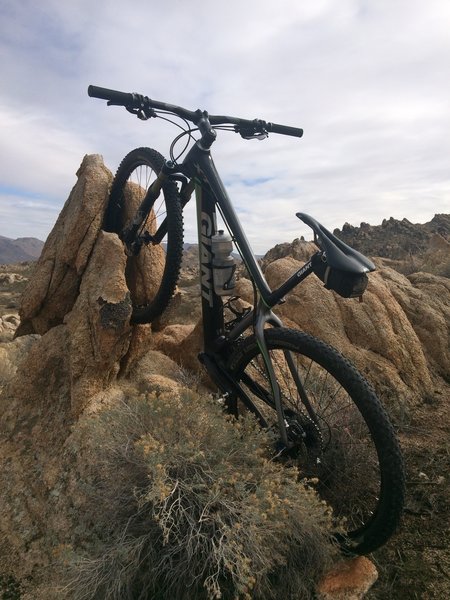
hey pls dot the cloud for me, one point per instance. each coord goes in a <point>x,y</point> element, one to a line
<point>368,80</point>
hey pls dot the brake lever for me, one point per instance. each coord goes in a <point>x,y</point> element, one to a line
<point>255,136</point>
<point>142,113</point>
<point>256,131</point>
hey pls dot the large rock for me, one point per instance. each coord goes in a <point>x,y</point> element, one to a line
<point>8,325</point>
<point>375,334</point>
<point>298,249</point>
<point>349,580</point>
<point>53,289</point>
<point>98,326</point>
<point>425,300</point>
<point>182,343</point>
<point>437,257</point>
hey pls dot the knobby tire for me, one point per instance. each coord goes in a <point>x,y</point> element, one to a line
<point>134,175</point>
<point>347,443</point>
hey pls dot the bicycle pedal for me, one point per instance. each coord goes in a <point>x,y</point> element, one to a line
<point>222,399</point>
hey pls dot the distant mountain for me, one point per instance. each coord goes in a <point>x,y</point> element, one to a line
<point>19,250</point>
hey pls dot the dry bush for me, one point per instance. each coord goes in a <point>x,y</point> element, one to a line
<point>184,503</point>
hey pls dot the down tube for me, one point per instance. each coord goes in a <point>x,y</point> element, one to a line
<point>212,306</point>
<point>207,166</point>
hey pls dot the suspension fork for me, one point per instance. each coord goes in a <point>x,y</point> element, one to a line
<point>153,192</point>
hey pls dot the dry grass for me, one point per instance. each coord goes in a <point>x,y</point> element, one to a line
<point>184,503</point>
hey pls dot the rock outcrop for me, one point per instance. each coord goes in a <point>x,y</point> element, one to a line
<point>398,336</point>
<point>298,249</point>
<point>350,580</point>
<point>9,324</point>
<point>412,247</point>
<point>54,287</point>
<point>395,239</point>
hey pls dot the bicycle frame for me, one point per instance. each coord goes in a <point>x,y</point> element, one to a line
<point>341,269</point>
<point>210,192</point>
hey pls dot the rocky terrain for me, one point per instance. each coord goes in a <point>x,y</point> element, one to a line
<point>76,356</point>
<point>408,247</point>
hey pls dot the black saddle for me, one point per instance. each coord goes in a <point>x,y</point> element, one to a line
<point>338,254</point>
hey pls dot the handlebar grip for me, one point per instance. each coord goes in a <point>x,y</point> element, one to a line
<point>284,129</point>
<point>120,98</point>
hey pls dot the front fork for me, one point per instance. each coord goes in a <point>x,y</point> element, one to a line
<point>129,235</point>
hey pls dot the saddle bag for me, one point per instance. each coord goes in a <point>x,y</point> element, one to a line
<point>344,283</point>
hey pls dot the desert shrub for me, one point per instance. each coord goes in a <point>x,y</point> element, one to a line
<point>184,503</point>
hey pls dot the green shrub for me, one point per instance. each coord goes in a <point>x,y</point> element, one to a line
<point>183,502</point>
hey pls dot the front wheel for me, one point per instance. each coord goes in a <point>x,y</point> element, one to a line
<point>152,268</point>
<point>344,443</point>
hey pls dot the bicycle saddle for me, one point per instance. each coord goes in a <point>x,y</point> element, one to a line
<point>338,254</point>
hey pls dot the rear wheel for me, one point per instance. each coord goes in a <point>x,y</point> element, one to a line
<point>343,440</point>
<point>152,268</point>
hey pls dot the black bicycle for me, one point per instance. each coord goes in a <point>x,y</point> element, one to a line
<point>326,418</point>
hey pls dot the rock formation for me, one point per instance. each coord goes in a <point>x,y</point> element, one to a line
<point>9,324</point>
<point>411,245</point>
<point>350,580</point>
<point>298,249</point>
<point>54,288</point>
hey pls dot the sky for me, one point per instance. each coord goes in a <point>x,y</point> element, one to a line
<point>367,80</point>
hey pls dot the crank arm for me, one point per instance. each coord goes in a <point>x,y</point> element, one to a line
<point>228,386</point>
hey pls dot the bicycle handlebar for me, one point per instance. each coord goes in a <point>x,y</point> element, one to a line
<point>139,102</point>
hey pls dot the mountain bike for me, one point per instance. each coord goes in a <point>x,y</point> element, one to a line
<point>324,416</point>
